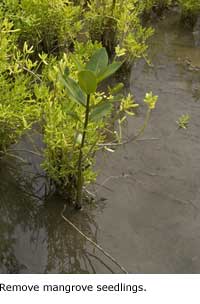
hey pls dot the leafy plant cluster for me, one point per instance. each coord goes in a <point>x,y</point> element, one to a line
<point>54,26</point>
<point>190,9</point>
<point>190,6</point>
<point>53,61</point>
<point>18,106</point>
<point>77,116</point>
<point>117,22</point>
<point>49,26</point>
<point>183,121</point>
<point>157,6</point>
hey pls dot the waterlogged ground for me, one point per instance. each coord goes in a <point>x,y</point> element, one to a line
<point>148,213</point>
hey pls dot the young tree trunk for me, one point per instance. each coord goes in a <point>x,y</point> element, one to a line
<point>78,203</point>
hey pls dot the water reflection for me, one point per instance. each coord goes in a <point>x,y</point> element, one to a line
<point>15,208</point>
<point>33,236</point>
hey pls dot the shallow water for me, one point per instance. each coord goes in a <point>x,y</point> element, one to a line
<point>148,214</point>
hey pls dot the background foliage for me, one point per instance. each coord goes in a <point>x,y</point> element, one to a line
<point>18,106</point>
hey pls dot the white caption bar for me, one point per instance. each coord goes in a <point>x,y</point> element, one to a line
<point>89,288</point>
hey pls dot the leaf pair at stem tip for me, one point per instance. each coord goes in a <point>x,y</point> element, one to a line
<point>94,72</point>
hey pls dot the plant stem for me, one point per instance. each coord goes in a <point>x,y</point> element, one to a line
<point>133,138</point>
<point>113,7</point>
<point>78,203</point>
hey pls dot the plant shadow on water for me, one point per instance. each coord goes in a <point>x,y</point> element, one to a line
<point>33,236</point>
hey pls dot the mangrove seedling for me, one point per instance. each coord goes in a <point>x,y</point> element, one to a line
<point>183,121</point>
<point>90,76</point>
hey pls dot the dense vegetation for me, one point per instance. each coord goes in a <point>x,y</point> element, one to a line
<point>190,11</point>
<point>54,56</point>
<point>190,6</point>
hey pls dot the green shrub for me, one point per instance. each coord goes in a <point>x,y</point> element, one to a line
<point>190,6</point>
<point>118,23</point>
<point>18,107</point>
<point>157,5</point>
<point>47,25</point>
<point>74,114</point>
<point>52,26</point>
<point>77,117</point>
<point>64,114</point>
<point>190,11</point>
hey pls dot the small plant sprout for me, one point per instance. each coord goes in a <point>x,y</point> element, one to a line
<point>89,77</point>
<point>183,121</point>
<point>43,58</point>
<point>151,100</point>
<point>128,104</point>
<point>120,51</point>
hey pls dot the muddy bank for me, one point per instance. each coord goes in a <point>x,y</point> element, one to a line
<point>152,214</point>
<point>148,191</point>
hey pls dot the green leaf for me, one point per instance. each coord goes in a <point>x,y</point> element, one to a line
<point>66,72</point>
<point>109,149</point>
<point>116,88</point>
<point>100,110</point>
<point>73,115</point>
<point>87,81</point>
<point>98,62</point>
<point>78,64</point>
<point>111,69</point>
<point>116,98</point>
<point>78,138</point>
<point>73,90</point>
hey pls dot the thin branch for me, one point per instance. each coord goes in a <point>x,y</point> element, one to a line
<point>15,156</point>
<point>114,177</point>
<point>134,137</point>
<point>33,142</point>
<point>100,261</point>
<point>32,73</point>
<point>89,192</point>
<point>25,150</point>
<point>92,242</point>
<point>103,187</point>
<point>148,139</point>
<point>129,140</point>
